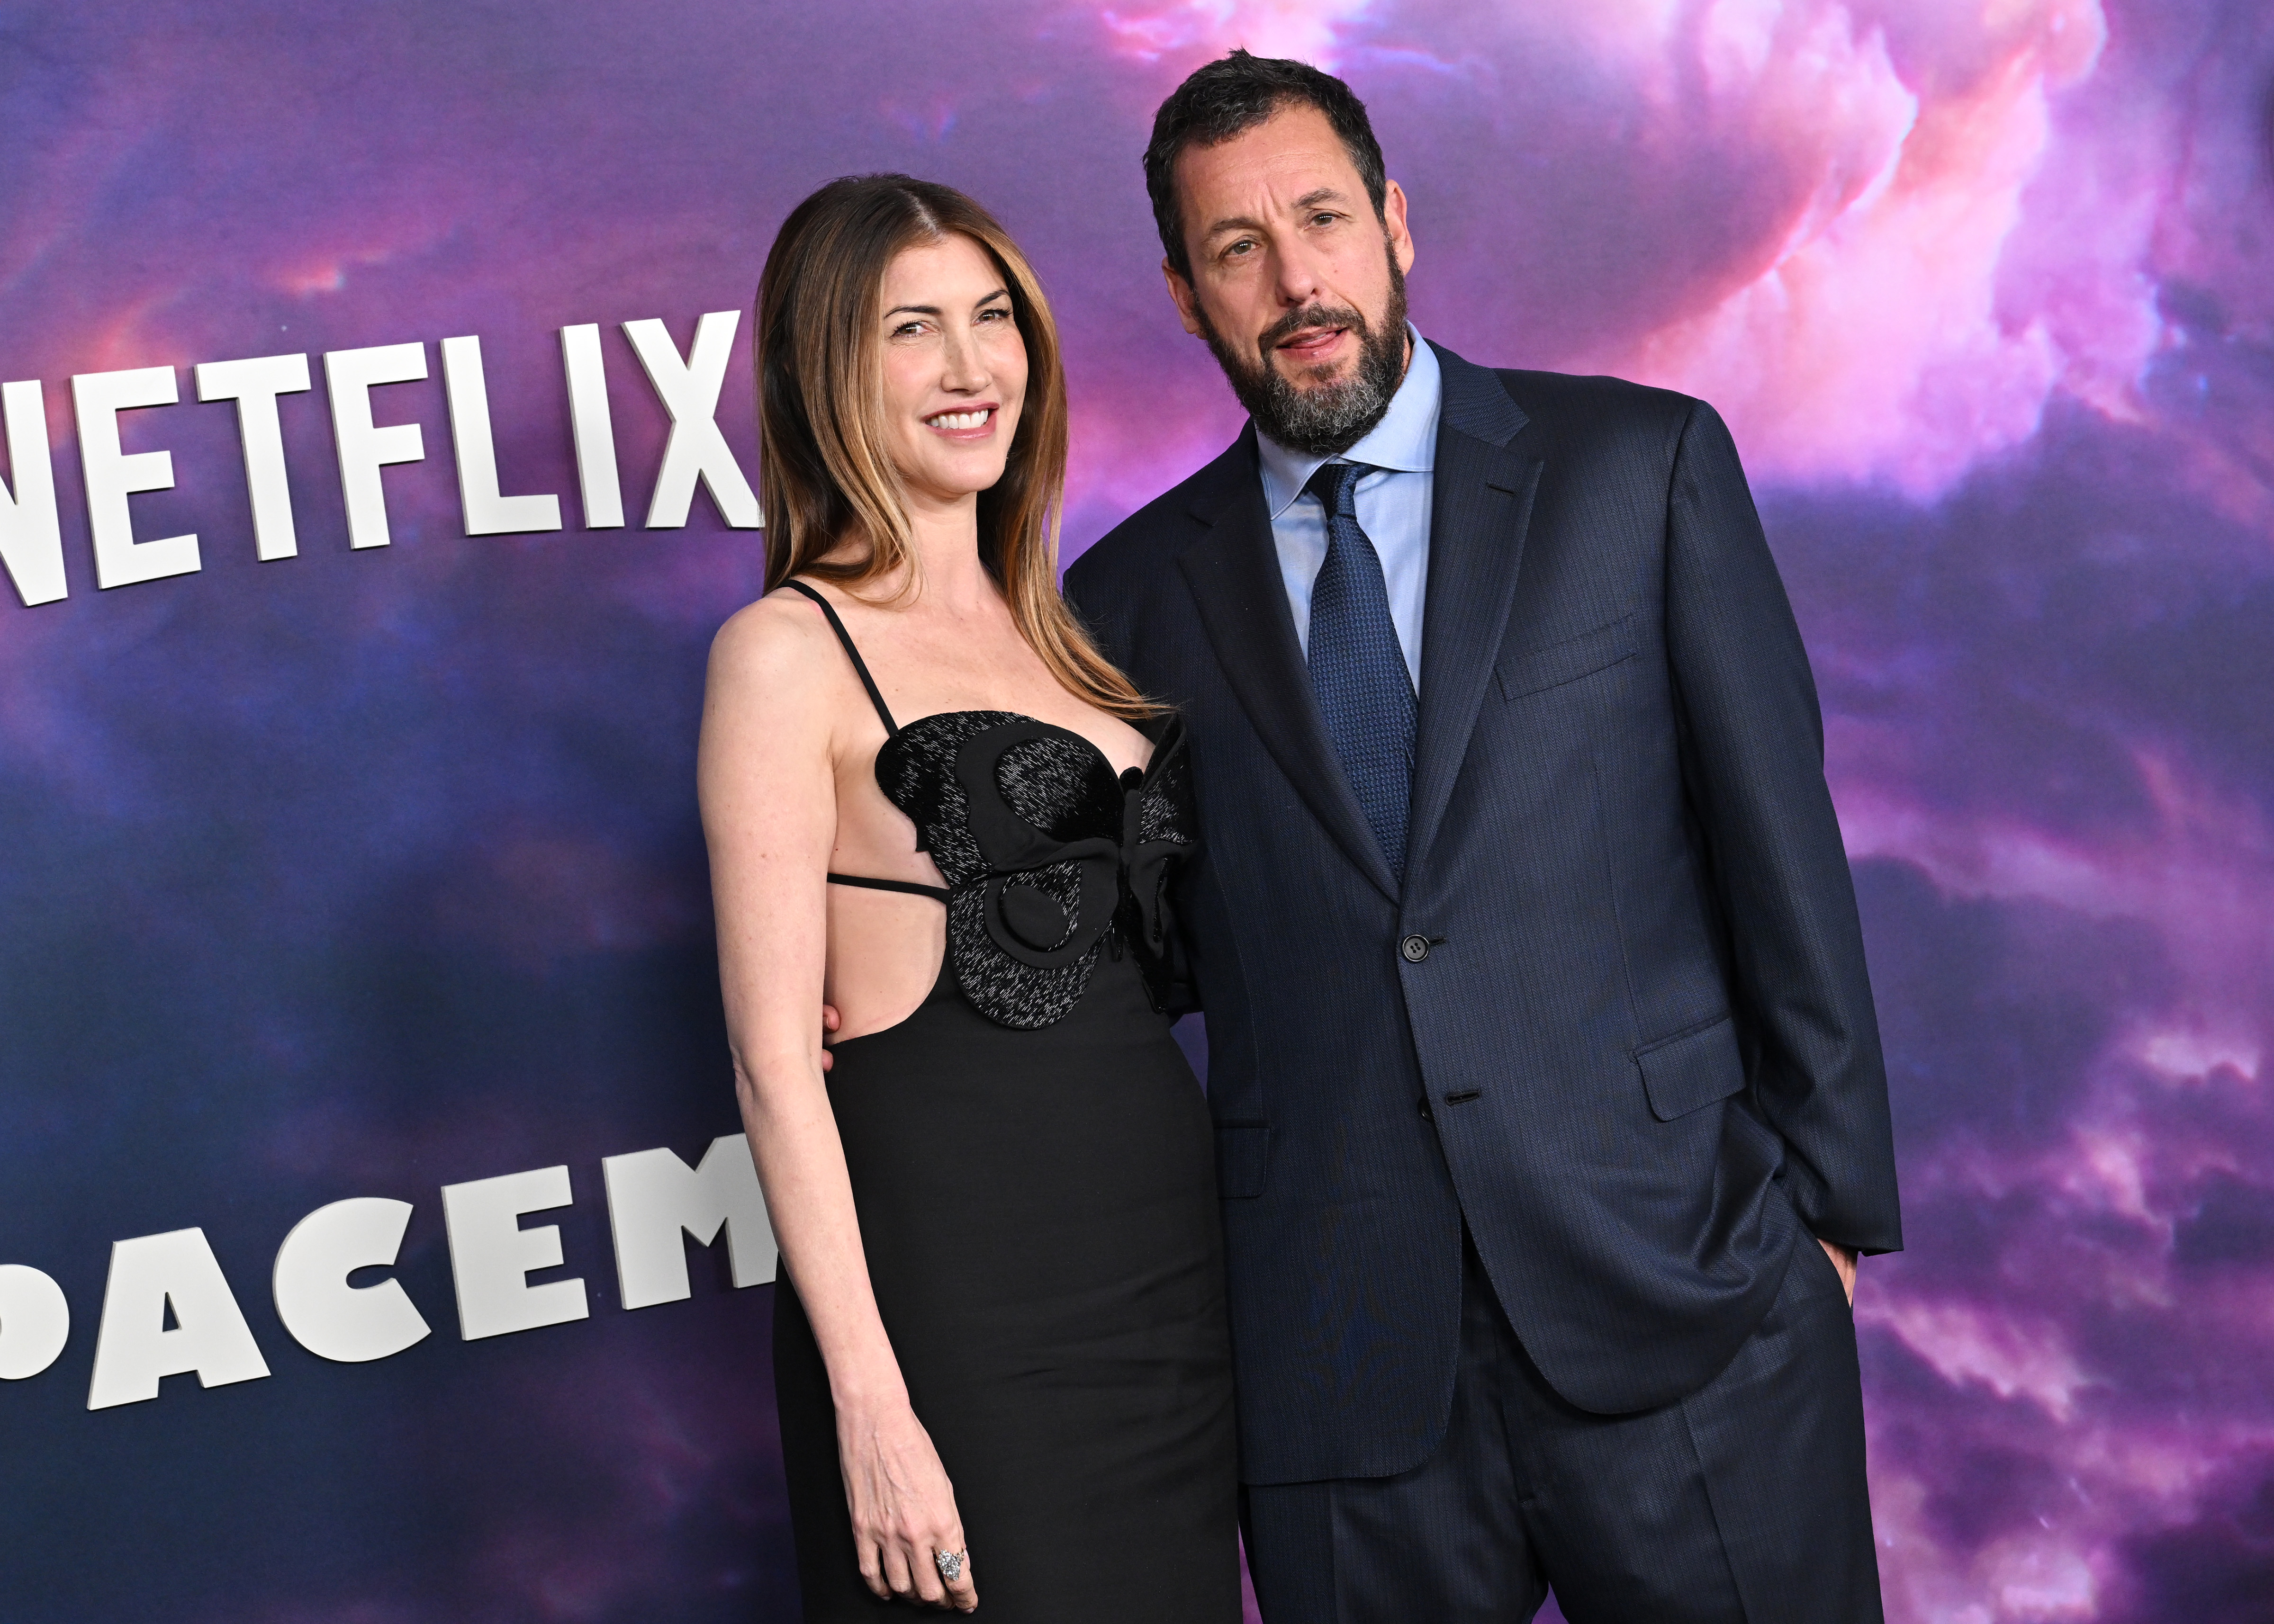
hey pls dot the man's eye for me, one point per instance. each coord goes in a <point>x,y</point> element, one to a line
<point>1323,219</point>
<point>1240,247</point>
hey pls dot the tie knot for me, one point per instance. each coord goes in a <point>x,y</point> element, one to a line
<point>1336,485</point>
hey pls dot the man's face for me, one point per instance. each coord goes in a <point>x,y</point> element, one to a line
<point>1296,284</point>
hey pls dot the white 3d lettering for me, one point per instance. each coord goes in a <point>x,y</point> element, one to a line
<point>112,475</point>
<point>133,1350</point>
<point>688,387</point>
<point>654,1196</point>
<point>31,534</point>
<point>655,1201</point>
<point>326,1315</point>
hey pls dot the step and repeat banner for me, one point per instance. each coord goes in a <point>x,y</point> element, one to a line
<point>375,1242</point>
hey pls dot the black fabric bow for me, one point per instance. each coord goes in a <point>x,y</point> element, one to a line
<point>1123,876</point>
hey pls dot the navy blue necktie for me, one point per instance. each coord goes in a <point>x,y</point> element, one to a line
<point>1357,670</point>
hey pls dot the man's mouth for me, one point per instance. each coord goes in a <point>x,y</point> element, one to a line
<point>1312,343</point>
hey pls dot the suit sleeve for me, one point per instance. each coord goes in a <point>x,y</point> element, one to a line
<point>1753,768</point>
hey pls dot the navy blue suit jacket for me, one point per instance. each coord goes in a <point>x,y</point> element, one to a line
<point>1638,1057</point>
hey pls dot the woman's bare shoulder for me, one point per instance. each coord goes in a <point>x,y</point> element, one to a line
<point>779,642</point>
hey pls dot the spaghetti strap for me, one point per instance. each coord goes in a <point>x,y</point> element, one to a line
<point>938,893</point>
<point>860,665</point>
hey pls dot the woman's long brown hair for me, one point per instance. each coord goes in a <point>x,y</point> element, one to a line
<point>822,461</point>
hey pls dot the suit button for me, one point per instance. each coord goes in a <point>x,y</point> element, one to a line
<point>1415,949</point>
<point>1426,1114</point>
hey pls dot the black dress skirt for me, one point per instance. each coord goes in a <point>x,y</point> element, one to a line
<point>1032,1162</point>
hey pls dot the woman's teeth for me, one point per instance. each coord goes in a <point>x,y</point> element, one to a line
<point>959,419</point>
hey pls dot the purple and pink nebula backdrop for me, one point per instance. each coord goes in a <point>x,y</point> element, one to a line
<point>361,873</point>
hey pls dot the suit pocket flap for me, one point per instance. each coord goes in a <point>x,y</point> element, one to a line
<point>1567,661</point>
<point>1243,1157</point>
<point>1691,1070</point>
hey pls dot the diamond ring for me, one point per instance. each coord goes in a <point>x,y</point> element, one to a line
<point>950,1564</point>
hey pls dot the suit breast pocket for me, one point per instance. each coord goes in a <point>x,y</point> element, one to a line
<point>1537,670</point>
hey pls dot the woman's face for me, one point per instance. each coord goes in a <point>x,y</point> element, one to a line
<point>955,369</point>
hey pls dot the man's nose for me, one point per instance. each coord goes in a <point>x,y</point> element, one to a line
<point>1298,275</point>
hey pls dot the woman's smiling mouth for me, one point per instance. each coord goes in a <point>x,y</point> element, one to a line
<point>970,421</point>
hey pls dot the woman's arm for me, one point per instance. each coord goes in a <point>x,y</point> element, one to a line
<point>767,783</point>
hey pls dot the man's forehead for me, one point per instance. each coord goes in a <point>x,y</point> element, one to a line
<point>1294,156</point>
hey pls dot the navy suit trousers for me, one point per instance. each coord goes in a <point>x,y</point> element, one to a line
<point>1743,1503</point>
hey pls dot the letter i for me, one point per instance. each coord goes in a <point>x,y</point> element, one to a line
<point>595,431</point>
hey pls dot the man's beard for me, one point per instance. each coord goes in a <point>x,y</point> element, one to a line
<point>1325,419</point>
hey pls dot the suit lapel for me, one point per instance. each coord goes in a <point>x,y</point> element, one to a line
<point>1233,571</point>
<point>1480,505</point>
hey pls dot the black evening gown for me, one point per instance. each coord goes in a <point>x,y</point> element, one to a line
<point>1031,1162</point>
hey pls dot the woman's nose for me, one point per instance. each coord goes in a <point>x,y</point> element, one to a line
<point>965,368</point>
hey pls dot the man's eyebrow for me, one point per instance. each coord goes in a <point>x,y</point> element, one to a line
<point>1309,200</point>
<point>1236,223</point>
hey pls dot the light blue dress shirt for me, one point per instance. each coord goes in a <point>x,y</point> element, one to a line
<point>1393,505</point>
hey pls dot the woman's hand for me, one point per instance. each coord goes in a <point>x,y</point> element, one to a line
<point>903,1506</point>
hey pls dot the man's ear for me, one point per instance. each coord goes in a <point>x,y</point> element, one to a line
<point>1393,222</point>
<point>1181,290</point>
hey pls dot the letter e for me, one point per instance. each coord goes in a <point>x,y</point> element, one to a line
<point>492,1255</point>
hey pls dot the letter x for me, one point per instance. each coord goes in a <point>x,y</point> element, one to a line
<point>689,389</point>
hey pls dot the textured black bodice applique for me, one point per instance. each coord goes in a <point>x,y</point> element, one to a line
<point>1050,858</point>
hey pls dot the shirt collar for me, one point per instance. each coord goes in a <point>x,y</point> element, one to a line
<point>1406,438</point>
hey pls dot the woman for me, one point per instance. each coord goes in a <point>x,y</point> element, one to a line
<point>1000,1341</point>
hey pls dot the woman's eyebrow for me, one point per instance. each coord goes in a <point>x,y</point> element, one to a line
<point>933,310</point>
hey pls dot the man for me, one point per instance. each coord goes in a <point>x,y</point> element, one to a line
<point>1550,1111</point>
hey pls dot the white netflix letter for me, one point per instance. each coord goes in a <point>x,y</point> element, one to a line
<point>654,1197</point>
<point>132,1349</point>
<point>689,390</point>
<point>31,534</point>
<point>254,386</point>
<point>487,513</point>
<point>595,427</point>
<point>112,475</point>
<point>492,1255</point>
<point>35,1322</point>
<point>364,449</point>
<point>326,1315</point>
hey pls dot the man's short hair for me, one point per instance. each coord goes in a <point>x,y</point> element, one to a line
<point>1232,95</point>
